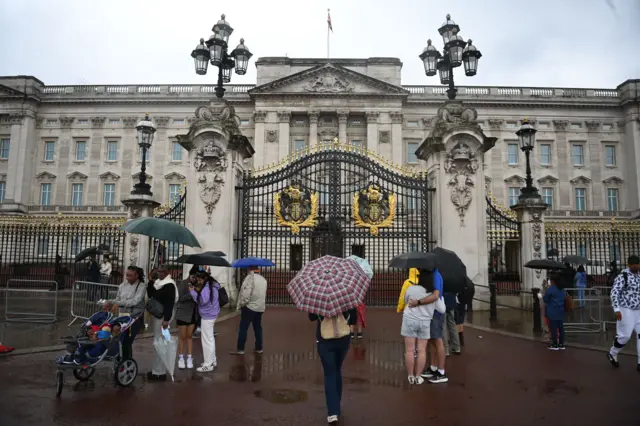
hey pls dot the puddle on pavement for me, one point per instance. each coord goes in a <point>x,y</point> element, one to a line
<point>558,386</point>
<point>282,396</point>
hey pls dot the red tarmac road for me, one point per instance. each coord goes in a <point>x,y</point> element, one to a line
<point>498,380</point>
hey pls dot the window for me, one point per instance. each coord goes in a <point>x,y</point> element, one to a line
<point>577,154</point>
<point>512,153</point>
<point>607,127</point>
<point>244,122</point>
<point>581,199</point>
<point>298,145</point>
<point>2,191</point>
<point>83,121</point>
<point>43,246</point>
<point>49,149</point>
<point>612,199</point>
<point>356,122</point>
<point>543,125</point>
<point>174,193</point>
<point>412,124</point>
<point>45,194</point>
<point>582,250</point>
<point>112,151</point>
<point>109,194</point>
<point>76,194</point>
<point>140,155</point>
<point>576,126</point>
<point>80,150</point>
<point>76,246</point>
<point>181,121</point>
<point>545,154</point>
<point>299,121</point>
<point>173,250</point>
<point>610,155</point>
<point>514,193</point>
<point>176,152</point>
<point>547,197</point>
<point>51,122</point>
<point>4,149</point>
<point>114,121</point>
<point>511,124</point>
<point>411,152</point>
<point>356,143</point>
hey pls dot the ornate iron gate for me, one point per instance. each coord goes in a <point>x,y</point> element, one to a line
<point>339,200</point>
<point>504,248</point>
<point>168,251</point>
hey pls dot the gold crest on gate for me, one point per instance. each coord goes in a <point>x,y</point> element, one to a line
<point>296,207</point>
<point>373,208</point>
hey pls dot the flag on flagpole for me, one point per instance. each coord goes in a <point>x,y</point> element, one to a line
<point>329,19</point>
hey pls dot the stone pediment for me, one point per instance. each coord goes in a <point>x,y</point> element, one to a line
<point>613,180</point>
<point>580,180</point>
<point>328,80</point>
<point>513,179</point>
<point>548,180</point>
<point>45,176</point>
<point>109,176</point>
<point>8,91</point>
<point>174,176</point>
<point>77,176</point>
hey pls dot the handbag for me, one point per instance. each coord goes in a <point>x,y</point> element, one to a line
<point>155,308</point>
<point>568,303</point>
<point>334,327</point>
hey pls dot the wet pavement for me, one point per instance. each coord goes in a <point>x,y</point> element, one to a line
<point>498,380</point>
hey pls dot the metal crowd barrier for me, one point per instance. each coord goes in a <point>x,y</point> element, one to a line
<point>587,314</point>
<point>85,296</point>
<point>604,294</point>
<point>34,301</point>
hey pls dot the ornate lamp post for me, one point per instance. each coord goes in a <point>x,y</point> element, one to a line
<point>215,51</point>
<point>145,129</point>
<point>455,53</point>
<point>527,137</point>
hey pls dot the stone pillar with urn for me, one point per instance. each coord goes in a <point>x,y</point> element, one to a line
<point>217,154</point>
<point>137,247</point>
<point>454,152</point>
<point>533,243</point>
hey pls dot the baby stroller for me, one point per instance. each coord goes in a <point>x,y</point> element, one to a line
<point>124,371</point>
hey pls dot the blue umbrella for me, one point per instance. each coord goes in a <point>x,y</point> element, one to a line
<point>249,262</point>
<point>362,263</point>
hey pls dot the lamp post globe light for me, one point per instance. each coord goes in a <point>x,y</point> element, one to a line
<point>145,132</point>
<point>527,137</point>
<point>456,52</point>
<point>214,50</point>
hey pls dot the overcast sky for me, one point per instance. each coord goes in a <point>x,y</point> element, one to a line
<point>571,43</point>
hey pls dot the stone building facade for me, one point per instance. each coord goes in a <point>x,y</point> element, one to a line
<point>73,148</point>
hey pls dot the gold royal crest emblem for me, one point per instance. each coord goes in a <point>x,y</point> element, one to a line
<point>373,208</point>
<point>296,207</point>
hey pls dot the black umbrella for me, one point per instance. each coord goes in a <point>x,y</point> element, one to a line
<point>91,251</point>
<point>414,259</point>
<point>544,264</point>
<point>575,259</point>
<point>203,259</point>
<point>184,257</point>
<point>452,269</point>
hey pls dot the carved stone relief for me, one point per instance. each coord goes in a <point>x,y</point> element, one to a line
<point>384,136</point>
<point>495,123</point>
<point>259,116</point>
<point>372,116</point>
<point>462,165</point>
<point>67,122</point>
<point>396,117</point>
<point>592,125</point>
<point>272,136</point>
<point>133,249</point>
<point>537,239</point>
<point>210,162</point>
<point>161,122</point>
<point>328,83</point>
<point>129,122</point>
<point>97,122</point>
<point>313,117</point>
<point>561,124</point>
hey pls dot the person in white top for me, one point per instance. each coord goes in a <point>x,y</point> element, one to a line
<point>416,330</point>
<point>251,304</point>
<point>105,270</point>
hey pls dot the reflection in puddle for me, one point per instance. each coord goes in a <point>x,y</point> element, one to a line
<point>282,396</point>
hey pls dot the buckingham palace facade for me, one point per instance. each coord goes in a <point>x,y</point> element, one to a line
<point>72,149</point>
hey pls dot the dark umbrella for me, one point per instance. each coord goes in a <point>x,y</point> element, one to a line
<point>184,257</point>
<point>203,259</point>
<point>91,251</point>
<point>575,259</point>
<point>161,229</point>
<point>452,269</point>
<point>414,259</point>
<point>544,264</point>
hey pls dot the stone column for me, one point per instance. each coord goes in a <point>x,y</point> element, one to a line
<point>94,148</point>
<point>313,128</point>
<point>217,151</point>
<point>21,163</point>
<point>454,152</point>
<point>284,121</point>
<point>159,158</point>
<point>532,241</point>
<point>137,246</point>
<point>397,145</point>
<point>259,118</point>
<point>372,130</point>
<point>564,157</point>
<point>342,126</point>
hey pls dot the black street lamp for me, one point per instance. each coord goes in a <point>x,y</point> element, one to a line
<point>527,137</point>
<point>145,129</point>
<point>455,53</point>
<point>215,50</point>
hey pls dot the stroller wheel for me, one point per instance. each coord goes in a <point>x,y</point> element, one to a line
<point>83,373</point>
<point>126,372</point>
<point>59,382</point>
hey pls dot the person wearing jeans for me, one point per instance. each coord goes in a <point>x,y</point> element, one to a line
<point>332,354</point>
<point>251,304</point>
<point>205,294</point>
<point>451,338</point>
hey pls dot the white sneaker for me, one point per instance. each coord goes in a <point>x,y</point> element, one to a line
<point>332,419</point>
<point>418,380</point>
<point>411,379</point>
<point>181,364</point>
<point>205,368</point>
<point>189,363</point>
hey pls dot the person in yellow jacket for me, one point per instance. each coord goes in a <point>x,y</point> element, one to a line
<point>412,280</point>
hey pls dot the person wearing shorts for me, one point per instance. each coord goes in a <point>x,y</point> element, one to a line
<point>416,328</point>
<point>186,318</point>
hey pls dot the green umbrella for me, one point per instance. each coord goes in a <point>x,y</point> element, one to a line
<point>161,229</point>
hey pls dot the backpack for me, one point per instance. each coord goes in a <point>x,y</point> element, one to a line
<point>334,327</point>
<point>223,297</point>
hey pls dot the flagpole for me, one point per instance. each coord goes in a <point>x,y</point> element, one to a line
<point>328,42</point>
<point>328,29</point>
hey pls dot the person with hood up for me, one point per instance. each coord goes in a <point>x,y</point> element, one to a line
<point>205,294</point>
